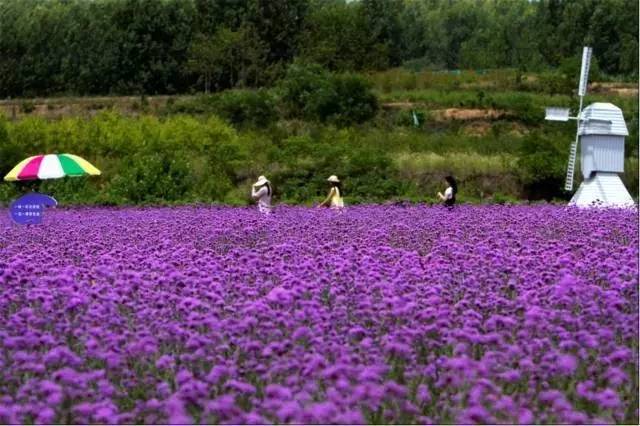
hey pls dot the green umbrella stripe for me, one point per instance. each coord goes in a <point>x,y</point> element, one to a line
<point>69,166</point>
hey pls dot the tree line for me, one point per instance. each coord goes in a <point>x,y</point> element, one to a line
<point>179,46</point>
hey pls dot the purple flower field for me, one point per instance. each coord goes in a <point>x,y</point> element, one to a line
<point>377,315</point>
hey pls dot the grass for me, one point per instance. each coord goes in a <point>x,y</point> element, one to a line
<point>480,177</point>
<point>523,106</point>
<point>462,165</point>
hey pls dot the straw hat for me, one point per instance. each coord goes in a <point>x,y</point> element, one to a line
<point>333,178</point>
<point>261,181</point>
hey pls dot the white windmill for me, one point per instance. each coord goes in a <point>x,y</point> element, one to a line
<point>601,130</point>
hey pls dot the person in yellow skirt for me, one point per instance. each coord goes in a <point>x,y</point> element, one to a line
<point>334,199</point>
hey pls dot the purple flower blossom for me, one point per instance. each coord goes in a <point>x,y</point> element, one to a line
<point>520,314</point>
<point>165,362</point>
<point>423,395</point>
<point>567,364</point>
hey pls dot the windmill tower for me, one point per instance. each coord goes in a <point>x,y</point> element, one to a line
<point>601,130</point>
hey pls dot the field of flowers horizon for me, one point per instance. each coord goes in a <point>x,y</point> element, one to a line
<point>380,314</point>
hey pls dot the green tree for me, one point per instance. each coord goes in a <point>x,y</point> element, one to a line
<point>459,23</point>
<point>304,90</point>
<point>278,24</point>
<point>211,14</point>
<point>335,36</point>
<point>382,19</point>
<point>215,58</point>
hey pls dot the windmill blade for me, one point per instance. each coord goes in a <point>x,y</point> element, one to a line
<point>582,90</point>
<point>584,70</point>
<point>571,165</point>
<point>556,114</point>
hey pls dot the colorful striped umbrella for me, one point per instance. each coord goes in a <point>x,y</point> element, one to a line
<point>51,166</point>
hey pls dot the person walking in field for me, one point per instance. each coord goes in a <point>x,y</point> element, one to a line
<point>334,199</point>
<point>449,196</point>
<point>261,192</point>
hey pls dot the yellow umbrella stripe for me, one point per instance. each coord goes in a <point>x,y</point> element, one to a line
<point>86,166</point>
<point>13,174</point>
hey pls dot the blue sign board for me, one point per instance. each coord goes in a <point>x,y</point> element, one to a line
<point>29,208</point>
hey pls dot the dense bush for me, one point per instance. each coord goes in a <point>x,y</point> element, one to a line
<point>255,108</point>
<point>355,101</point>
<point>312,93</point>
<point>542,166</point>
<point>307,92</point>
<point>151,178</point>
<point>242,108</point>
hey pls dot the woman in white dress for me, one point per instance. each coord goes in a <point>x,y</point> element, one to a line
<point>449,196</point>
<point>261,192</point>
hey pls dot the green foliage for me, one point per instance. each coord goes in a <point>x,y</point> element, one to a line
<point>335,36</point>
<point>143,160</point>
<point>373,175</point>
<point>254,108</point>
<point>278,24</point>
<point>565,79</point>
<point>631,175</point>
<point>309,92</point>
<point>242,108</point>
<point>206,56</point>
<point>227,58</point>
<point>305,90</point>
<point>10,152</point>
<point>27,107</point>
<point>305,163</point>
<point>542,165</point>
<point>178,46</point>
<point>70,190</point>
<point>303,131</point>
<point>479,176</point>
<point>151,178</point>
<point>356,103</point>
<point>181,159</point>
<point>499,198</point>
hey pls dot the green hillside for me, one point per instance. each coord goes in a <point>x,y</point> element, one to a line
<point>484,128</point>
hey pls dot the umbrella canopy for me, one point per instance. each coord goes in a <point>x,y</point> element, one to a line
<point>51,166</point>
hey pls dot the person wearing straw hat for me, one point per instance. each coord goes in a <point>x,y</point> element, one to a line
<point>261,191</point>
<point>334,199</point>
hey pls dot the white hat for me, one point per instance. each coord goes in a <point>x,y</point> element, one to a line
<point>261,181</point>
<point>333,178</point>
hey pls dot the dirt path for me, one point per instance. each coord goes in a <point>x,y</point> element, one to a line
<point>464,114</point>
<point>54,108</point>
<point>619,89</point>
<point>467,114</point>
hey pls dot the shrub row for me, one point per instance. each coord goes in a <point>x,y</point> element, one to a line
<point>307,92</point>
<point>184,159</point>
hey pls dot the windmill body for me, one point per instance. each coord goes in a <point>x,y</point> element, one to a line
<point>602,131</point>
<point>600,134</point>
